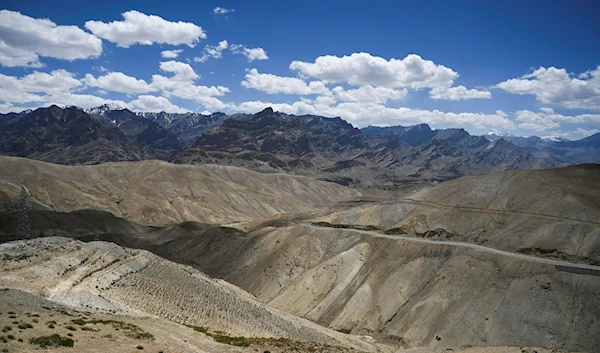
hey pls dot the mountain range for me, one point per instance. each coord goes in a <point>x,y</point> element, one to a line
<point>269,141</point>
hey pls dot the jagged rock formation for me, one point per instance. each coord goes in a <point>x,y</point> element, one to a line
<point>157,141</point>
<point>334,150</point>
<point>187,126</point>
<point>586,150</point>
<point>65,136</point>
<point>412,135</point>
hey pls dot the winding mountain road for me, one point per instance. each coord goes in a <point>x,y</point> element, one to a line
<point>464,245</point>
<point>488,210</point>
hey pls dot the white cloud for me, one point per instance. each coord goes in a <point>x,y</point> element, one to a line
<point>221,10</point>
<point>147,103</point>
<point>557,86</point>
<point>36,86</point>
<point>547,119</point>
<point>361,69</point>
<point>24,39</point>
<point>363,114</point>
<point>182,71</point>
<point>119,82</point>
<point>276,84</point>
<point>181,85</point>
<point>250,53</point>
<point>214,51</point>
<point>170,54</point>
<point>369,94</point>
<point>458,93</point>
<point>80,100</point>
<point>139,28</point>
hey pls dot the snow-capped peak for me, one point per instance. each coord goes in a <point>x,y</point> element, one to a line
<point>101,110</point>
<point>495,132</point>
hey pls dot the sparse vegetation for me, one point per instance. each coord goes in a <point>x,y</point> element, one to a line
<point>71,328</point>
<point>25,325</point>
<point>54,340</point>
<point>131,330</point>
<point>140,347</point>
<point>6,328</point>
<point>230,340</point>
<point>79,322</point>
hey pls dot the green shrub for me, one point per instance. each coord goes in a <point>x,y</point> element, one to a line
<point>25,325</point>
<point>139,347</point>
<point>6,328</point>
<point>232,341</point>
<point>54,340</point>
<point>79,322</point>
<point>71,328</point>
<point>144,336</point>
<point>10,337</point>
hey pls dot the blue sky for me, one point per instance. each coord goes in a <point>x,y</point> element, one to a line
<point>526,67</point>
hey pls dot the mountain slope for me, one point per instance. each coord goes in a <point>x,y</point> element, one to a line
<point>551,213</point>
<point>188,127</point>
<point>147,133</point>
<point>155,192</point>
<point>65,136</point>
<point>334,150</point>
<point>105,276</point>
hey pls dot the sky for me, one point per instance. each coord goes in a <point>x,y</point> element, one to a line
<point>520,67</point>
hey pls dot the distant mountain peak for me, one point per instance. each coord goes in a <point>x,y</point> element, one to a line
<point>498,133</point>
<point>104,108</point>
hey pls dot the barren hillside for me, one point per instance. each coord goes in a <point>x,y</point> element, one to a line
<point>100,275</point>
<point>155,192</point>
<point>551,212</point>
<point>405,292</point>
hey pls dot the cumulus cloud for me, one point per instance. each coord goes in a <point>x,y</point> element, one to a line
<point>147,103</point>
<point>458,93</point>
<point>181,71</point>
<point>81,100</point>
<point>139,28</point>
<point>118,82</point>
<point>24,39</point>
<point>221,10</point>
<point>40,89</point>
<point>37,86</point>
<point>363,114</point>
<point>214,51</point>
<point>181,84</point>
<point>250,53</point>
<point>362,69</point>
<point>557,86</point>
<point>170,54</point>
<point>276,84</point>
<point>546,119</point>
<point>369,94</point>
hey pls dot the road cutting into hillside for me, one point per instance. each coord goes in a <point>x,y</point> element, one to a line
<point>464,245</point>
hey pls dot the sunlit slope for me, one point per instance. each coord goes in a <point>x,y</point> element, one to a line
<point>405,292</point>
<point>155,192</point>
<point>553,212</point>
<point>101,275</point>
